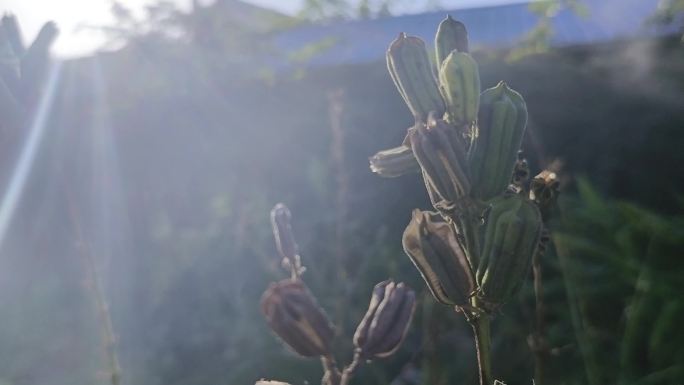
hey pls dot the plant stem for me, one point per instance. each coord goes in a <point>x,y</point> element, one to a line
<point>538,341</point>
<point>331,375</point>
<point>481,331</point>
<point>93,285</point>
<point>350,369</point>
<point>538,334</point>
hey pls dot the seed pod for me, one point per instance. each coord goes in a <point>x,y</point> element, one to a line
<point>412,73</point>
<point>511,236</point>
<point>440,151</point>
<point>282,232</point>
<point>501,126</point>
<point>384,326</point>
<point>451,35</point>
<point>293,314</point>
<point>459,83</point>
<point>394,162</point>
<point>434,248</point>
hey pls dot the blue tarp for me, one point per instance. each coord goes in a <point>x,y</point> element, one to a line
<point>489,27</point>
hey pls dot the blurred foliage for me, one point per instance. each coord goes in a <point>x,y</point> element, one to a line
<point>622,270</point>
<point>175,149</point>
<point>670,12</point>
<point>537,40</point>
<point>669,9</point>
<point>612,285</point>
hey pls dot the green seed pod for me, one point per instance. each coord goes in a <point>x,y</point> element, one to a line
<point>440,151</point>
<point>394,162</point>
<point>384,326</point>
<point>511,236</point>
<point>493,153</point>
<point>459,83</point>
<point>293,314</point>
<point>451,35</point>
<point>434,248</point>
<point>412,72</point>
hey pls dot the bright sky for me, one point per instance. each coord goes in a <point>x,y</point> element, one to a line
<point>72,14</point>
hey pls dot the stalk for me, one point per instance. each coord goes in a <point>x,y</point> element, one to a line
<point>538,343</point>
<point>331,375</point>
<point>350,370</point>
<point>539,346</point>
<point>106,328</point>
<point>341,206</point>
<point>481,331</point>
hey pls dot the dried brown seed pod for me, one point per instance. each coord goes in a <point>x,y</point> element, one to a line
<point>386,322</point>
<point>294,315</point>
<point>440,151</point>
<point>434,248</point>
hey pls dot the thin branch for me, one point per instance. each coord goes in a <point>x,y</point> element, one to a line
<point>350,369</point>
<point>93,284</point>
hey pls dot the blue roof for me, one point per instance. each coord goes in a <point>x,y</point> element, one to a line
<point>488,27</point>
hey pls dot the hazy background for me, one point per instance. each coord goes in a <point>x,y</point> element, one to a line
<point>147,180</point>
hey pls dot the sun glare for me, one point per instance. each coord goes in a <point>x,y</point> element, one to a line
<point>77,21</point>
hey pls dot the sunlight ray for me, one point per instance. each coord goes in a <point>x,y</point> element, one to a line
<point>28,153</point>
<point>108,209</point>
